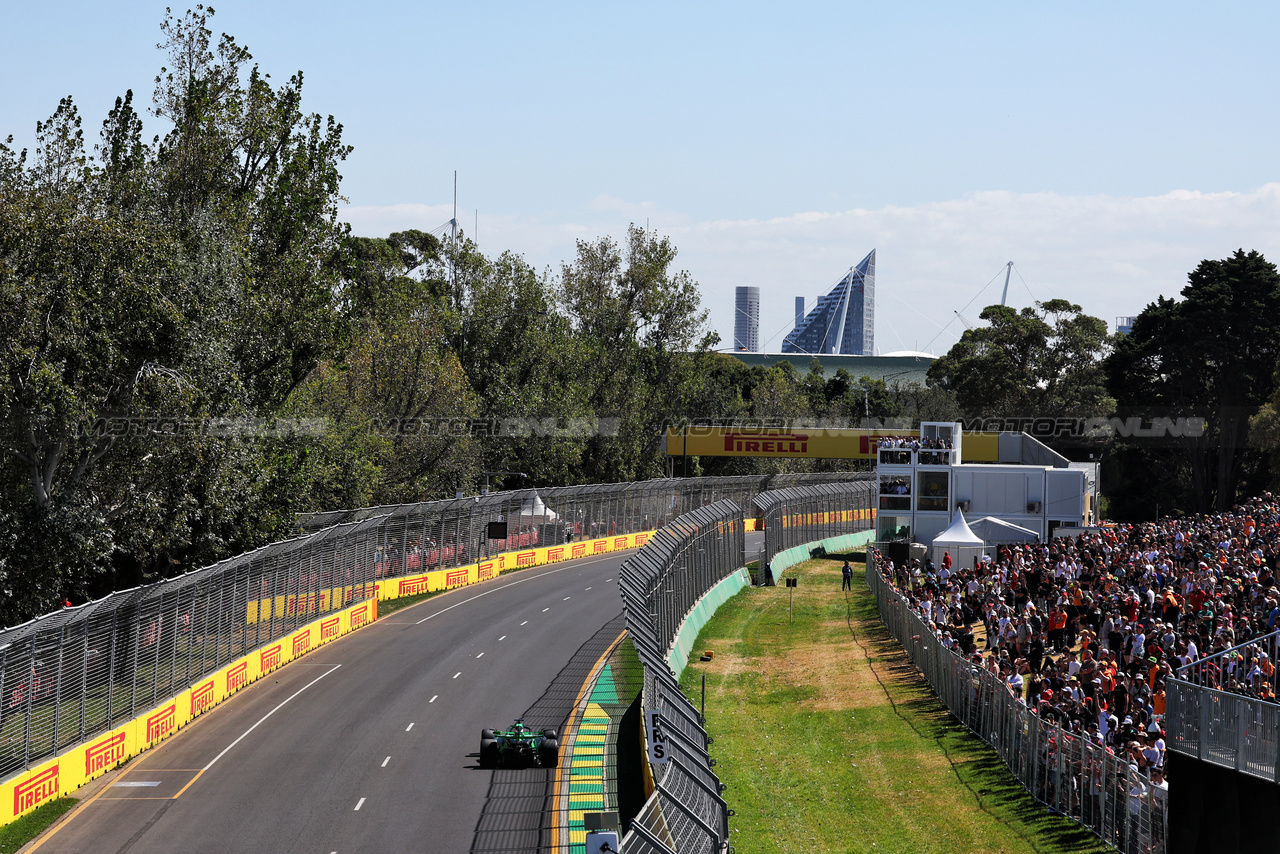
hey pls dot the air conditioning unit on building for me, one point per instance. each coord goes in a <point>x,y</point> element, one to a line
<point>1033,506</point>
<point>962,506</point>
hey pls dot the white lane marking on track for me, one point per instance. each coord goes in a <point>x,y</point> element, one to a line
<point>545,610</point>
<point>512,584</point>
<point>433,698</point>
<point>360,804</point>
<point>588,588</point>
<point>481,655</point>
<point>133,784</point>
<point>385,761</point>
<point>504,637</point>
<point>525,623</point>
<point>456,675</point>
<point>269,714</point>
<point>566,599</point>
<point>409,727</point>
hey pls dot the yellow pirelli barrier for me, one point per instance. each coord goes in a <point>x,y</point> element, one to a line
<point>82,763</point>
<point>473,573</point>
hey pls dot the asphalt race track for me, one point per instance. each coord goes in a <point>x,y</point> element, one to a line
<point>367,744</point>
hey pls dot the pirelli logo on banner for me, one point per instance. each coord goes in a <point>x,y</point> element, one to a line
<point>456,577</point>
<point>600,547</point>
<point>359,616</point>
<point>412,586</point>
<point>619,542</point>
<point>641,539</point>
<point>301,643</point>
<point>579,549</point>
<point>201,698</point>
<point>329,628</point>
<point>269,658</point>
<point>35,790</point>
<point>105,754</point>
<point>161,723</point>
<point>308,603</point>
<point>486,570</point>
<point>555,554</point>
<point>775,443</point>
<point>237,676</point>
<point>526,558</point>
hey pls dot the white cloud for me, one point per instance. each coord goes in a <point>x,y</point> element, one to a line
<point>1112,255</point>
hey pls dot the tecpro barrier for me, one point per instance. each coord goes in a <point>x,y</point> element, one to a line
<point>797,517</point>
<point>661,586</point>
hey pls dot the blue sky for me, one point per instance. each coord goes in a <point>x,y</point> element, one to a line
<point>1104,148</point>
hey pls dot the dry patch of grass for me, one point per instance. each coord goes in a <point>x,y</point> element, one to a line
<point>830,741</point>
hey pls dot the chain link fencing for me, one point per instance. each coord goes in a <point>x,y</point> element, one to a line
<point>81,671</point>
<point>803,514</point>
<point>1208,715</point>
<point>660,585</point>
<point>70,675</point>
<point>1068,773</point>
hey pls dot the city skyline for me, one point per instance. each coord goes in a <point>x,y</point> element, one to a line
<point>744,139</point>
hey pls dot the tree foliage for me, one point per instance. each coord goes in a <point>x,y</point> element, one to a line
<point>185,277</point>
<point>1041,361</point>
<point>1210,355</point>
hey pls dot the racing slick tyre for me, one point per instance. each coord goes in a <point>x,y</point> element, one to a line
<point>486,733</point>
<point>489,754</point>
<point>549,753</point>
<point>550,733</point>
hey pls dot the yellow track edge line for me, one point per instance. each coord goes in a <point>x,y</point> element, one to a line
<point>578,711</point>
<point>66,819</point>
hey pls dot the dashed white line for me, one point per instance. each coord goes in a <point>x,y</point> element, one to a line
<point>409,727</point>
<point>456,675</point>
<point>525,623</point>
<point>588,588</point>
<point>360,804</point>
<point>481,655</point>
<point>269,714</point>
<point>545,610</point>
<point>433,698</point>
<point>504,637</point>
<point>385,761</point>
<point>578,565</point>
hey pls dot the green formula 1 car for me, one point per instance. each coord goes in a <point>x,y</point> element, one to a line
<point>519,747</point>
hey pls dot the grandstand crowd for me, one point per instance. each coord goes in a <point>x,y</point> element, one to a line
<point>1085,630</point>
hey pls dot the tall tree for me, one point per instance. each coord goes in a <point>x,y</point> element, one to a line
<point>641,343</point>
<point>189,277</point>
<point>1211,355</point>
<point>1041,361</point>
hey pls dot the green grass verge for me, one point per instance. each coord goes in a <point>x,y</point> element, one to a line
<point>18,833</point>
<point>831,741</point>
<point>390,606</point>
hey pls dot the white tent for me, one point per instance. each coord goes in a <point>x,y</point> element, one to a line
<point>534,510</point>
<point>993,530</point>
<point>963,544</point>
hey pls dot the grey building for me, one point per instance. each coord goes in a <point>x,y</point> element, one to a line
<point>843,321</point>
<point>746,319</point>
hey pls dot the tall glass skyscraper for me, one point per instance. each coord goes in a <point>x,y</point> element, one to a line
<point>746,319</point>
<point>843,321</point>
